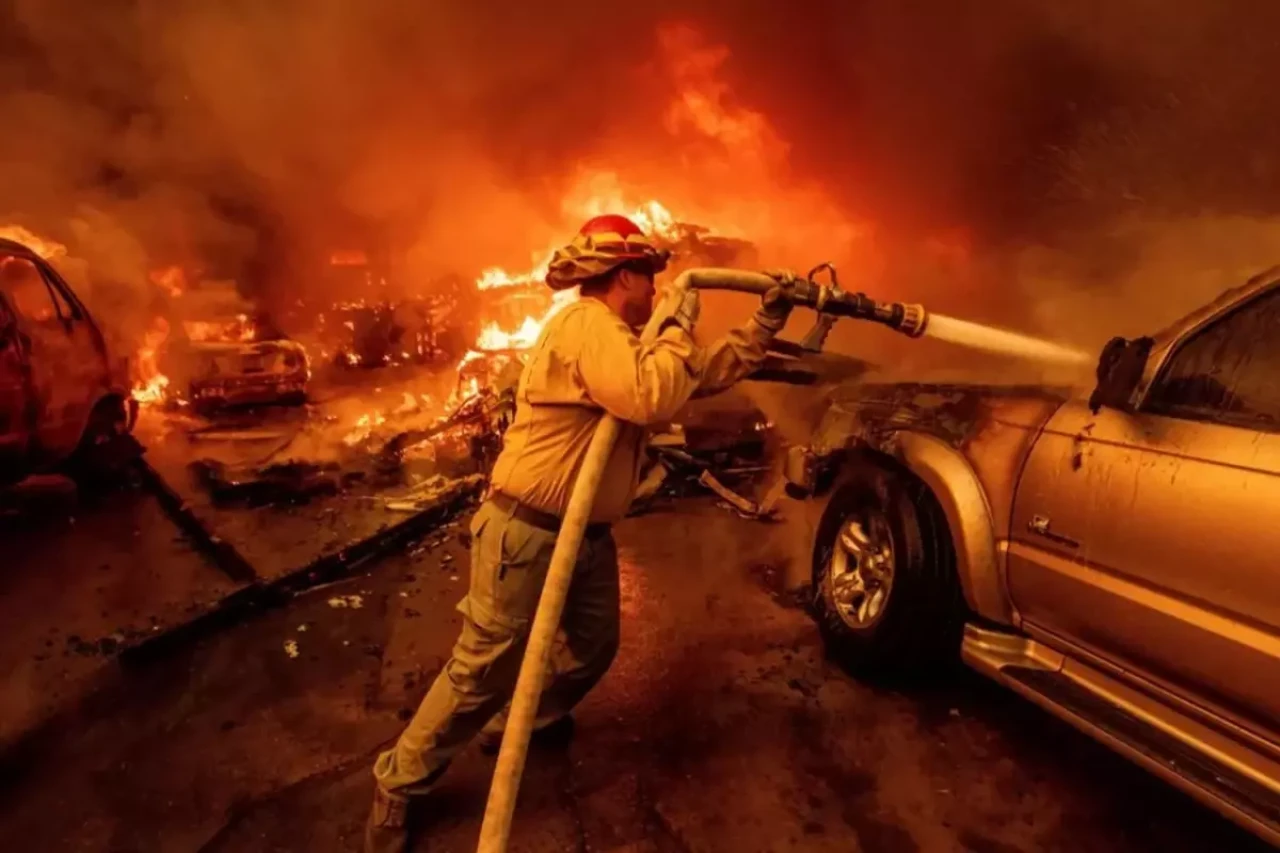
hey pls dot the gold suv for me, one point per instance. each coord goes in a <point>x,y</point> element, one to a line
<point>1114,559</point>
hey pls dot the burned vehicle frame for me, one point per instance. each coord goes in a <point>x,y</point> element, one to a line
<point>1109,558</point>
<point>64,398</point>
<point>225,353</point>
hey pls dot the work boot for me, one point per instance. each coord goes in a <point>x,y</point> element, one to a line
<point>387,830</point>
<point>554,735</point>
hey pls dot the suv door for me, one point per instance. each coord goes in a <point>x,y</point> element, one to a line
<point>1150,539</point>
<point>67,364</point>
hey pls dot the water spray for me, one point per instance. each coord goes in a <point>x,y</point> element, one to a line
<point>992,339</point>
<point>832,302</point>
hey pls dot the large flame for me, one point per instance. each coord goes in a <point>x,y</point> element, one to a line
<point>46,249</point>
<point>595,195</point>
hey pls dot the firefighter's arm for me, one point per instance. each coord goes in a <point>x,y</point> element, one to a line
<point>634,382</point>
<point>734,356</point>
<point>743,350</point>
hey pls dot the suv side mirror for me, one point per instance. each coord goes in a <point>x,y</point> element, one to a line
<point>1120,369</point>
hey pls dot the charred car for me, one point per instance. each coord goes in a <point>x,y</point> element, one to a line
<point>224,352</point>
<point>62,393</point>
<point>1110,558</point>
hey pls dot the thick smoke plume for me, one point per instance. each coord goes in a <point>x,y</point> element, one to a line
<point>1009,161</point>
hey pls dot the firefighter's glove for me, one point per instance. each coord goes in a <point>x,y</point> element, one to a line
<point>680,308</point>
<point>776,304</point>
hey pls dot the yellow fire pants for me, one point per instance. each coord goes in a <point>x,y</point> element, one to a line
<point>509,561</point>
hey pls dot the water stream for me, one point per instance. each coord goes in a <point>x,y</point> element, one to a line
<point>998,340</point>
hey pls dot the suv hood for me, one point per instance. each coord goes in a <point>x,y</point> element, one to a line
<point>954,412</point>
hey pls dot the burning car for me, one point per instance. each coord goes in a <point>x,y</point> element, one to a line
<point>1111,559</point>
<point>225,352</point>
<point>62,394</point>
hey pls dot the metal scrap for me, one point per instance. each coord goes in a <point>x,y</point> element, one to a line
<point>712,447</point>
<point>761,511</point>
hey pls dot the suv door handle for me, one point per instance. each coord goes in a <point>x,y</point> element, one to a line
<point>1039,525</point>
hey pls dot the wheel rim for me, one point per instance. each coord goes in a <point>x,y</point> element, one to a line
<point>861,571</point>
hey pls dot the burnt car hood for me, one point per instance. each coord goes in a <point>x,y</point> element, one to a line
<point>235,359</point>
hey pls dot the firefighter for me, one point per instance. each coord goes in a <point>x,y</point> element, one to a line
<point>587,361</point>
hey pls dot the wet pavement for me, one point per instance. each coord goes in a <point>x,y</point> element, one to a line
<point>721,727</point>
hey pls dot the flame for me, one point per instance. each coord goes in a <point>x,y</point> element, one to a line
<point>154,390</point>
<point>46,249</point>
<point>498,277</point>
<point>239,329</point>
<point>173,280</point>
<point>150,386</point>
<point>597,193</point>
<point>364,427</point>
<point>494,338</point>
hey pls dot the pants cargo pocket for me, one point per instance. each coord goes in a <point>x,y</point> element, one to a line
<point>488,647</point>
<point>509,562</point>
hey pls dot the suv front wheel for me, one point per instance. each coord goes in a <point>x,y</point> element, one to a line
<point>885,590</point>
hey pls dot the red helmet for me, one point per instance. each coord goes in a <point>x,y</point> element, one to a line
<point>603,244</point>
<point>610,223</point>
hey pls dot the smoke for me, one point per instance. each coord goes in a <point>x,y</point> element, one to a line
<point>1009,161</point>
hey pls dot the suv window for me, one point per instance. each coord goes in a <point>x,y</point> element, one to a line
<point>1229,371</point>
<point>26,287</point>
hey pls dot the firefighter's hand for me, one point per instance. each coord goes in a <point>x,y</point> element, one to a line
<point>775,305</point>
<point>680,307</point>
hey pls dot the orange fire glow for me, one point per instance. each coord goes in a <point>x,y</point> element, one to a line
<point>46,249</point>
<point>150,386</point>
<point>172,280</point>
<point>597,194</point>
<point>238,329</point>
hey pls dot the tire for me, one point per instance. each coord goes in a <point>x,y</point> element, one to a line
<point>106,450</point>
<point>916,627</point>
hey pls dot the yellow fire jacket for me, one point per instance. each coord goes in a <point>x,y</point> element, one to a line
<point>587,362</point>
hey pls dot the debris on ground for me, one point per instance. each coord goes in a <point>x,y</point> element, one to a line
<point>428,493</point>
<point>286,482</point>
<point>480,419</point>
<point>291,648</point>
<point>761,511</point>
<point>722,451</point>
<point>354,602</point>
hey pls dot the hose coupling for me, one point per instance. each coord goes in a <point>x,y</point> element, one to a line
<point>914,320</point>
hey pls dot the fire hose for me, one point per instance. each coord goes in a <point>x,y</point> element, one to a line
<point>828,300</point>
